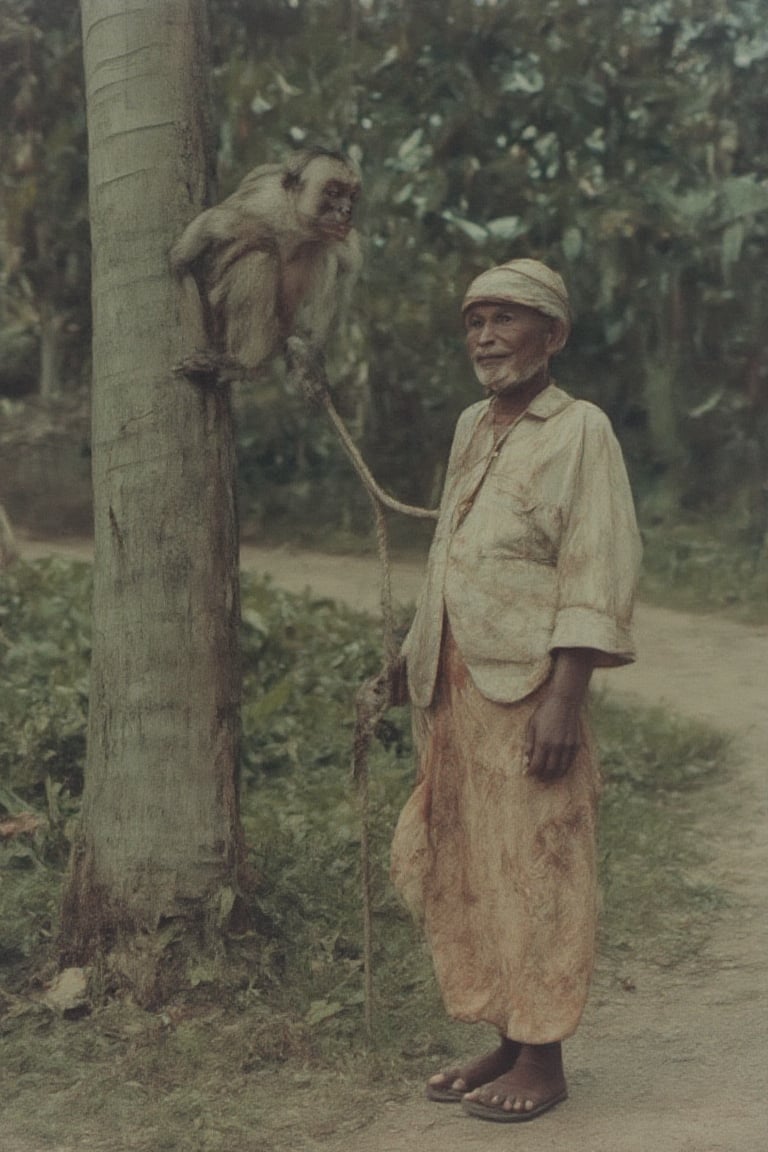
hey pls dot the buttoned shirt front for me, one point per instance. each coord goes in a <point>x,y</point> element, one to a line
<point>536,548</point>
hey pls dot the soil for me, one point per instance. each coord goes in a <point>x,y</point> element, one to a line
<point>665,1060</point>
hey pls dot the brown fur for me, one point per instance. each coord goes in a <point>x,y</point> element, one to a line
<point>274,258</point>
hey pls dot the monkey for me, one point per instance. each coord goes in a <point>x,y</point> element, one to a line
<point>276,257</point>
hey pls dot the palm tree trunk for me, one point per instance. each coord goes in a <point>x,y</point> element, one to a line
<point>156,866</point>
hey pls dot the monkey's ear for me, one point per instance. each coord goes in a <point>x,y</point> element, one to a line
<point>293,169</point>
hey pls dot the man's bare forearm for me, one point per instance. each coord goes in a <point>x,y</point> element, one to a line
<point>571,673</point>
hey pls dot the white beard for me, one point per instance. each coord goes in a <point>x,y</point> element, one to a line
<point>511,372</point>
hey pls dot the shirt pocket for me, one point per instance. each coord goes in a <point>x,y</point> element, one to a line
<point>521,526</point>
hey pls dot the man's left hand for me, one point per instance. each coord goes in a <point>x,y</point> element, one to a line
<point>552,739</point>
<point>553,735</point>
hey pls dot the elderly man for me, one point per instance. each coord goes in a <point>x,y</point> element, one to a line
<point>529,587</point>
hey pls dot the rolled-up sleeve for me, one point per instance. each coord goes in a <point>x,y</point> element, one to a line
<point>599,555</point>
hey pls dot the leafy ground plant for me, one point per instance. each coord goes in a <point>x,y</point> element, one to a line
<point>706,567</point>
<point>281,1018</point>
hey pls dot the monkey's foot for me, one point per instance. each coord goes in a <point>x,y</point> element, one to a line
<point>209,369</point>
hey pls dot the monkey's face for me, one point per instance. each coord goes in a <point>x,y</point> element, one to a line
<point>329,197</point>
<point>336,207</point>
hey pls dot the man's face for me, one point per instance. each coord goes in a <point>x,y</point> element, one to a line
<point>508,344</point>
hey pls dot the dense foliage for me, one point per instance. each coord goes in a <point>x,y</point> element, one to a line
<point>303,660</point>
<point>622,142</point>
<point>293,973</point>
<point>279,1011</point>
<point>44,239</point>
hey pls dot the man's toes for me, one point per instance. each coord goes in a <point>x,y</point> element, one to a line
<point>482,1095</point>
<point>515,1104</point>
<point>442,1080</point>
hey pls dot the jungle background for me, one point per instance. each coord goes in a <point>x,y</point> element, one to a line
<point>624,144</point>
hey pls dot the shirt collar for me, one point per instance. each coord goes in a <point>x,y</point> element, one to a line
<point>548,402</point>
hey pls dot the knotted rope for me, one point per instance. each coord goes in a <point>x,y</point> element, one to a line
<point>307,372</point>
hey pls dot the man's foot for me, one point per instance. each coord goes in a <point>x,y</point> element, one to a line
<point>450,1086</point>
<point>534,1085</point>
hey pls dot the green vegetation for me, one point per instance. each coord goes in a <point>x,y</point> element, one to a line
<point>705,567</point>
<point>281,1018</point>
<point>622,142</point>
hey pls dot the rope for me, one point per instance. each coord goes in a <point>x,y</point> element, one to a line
<point>308,373</point>
<point>373,698</point>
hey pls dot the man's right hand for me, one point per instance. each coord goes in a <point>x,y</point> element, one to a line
<point>388,689</point>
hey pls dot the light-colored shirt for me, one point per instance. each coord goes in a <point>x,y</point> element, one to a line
<point>536,548</point>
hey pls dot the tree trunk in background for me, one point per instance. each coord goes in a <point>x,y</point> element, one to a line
<point>155,868</point>
<point>661,371</point>
<point>9,551</point>
<point>50,352</point>
<point>657,345</point>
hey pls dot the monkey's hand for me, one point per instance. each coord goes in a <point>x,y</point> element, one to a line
<point>306,368</point>
<point>209,369</point>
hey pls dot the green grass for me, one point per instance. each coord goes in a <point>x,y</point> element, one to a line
<point>655,905</point>
<point>285,1020</point>
<point>705,567</point>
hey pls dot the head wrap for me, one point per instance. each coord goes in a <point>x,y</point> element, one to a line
<point>527,282</point>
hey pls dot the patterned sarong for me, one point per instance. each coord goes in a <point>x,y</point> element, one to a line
<point>499,868</point>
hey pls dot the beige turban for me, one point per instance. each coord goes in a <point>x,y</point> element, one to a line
<point>526,282</point>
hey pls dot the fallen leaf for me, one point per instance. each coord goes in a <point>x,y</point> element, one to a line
<point>68,992</point>
<point>25,824</point>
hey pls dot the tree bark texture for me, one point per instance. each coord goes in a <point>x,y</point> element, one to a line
<point>160,847</point>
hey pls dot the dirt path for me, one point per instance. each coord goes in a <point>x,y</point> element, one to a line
<point>679,1065</point>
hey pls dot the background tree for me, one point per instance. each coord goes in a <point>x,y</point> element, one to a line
<point>618,142</point>
<point>621,142</point>
<point>9,551</point>
<point>43,196</point>
<point>156,863</point>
